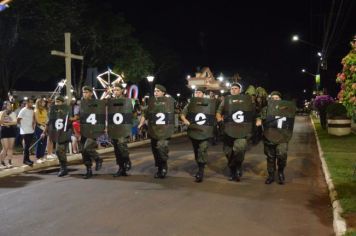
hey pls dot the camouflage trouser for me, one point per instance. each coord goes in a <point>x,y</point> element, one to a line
<point>61,152</point>
<point>121,151</point>
<point>200,150</point>
<point>273,152</point>
<point>89,152</point>
<point>160,150</point>
<point>234,150</point>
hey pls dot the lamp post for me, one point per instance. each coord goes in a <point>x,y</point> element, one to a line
<point>295,38</point>
<point>316,76</point>
<point>150,79</point>
<point>193,87</point>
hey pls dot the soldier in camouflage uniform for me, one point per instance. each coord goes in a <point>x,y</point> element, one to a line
<point>159,146</point>
<point>200,141</point>
<point>120,145</point>
<point>89,152</point>
<point>60,147</point>
<point>272,150</point>
<point>234,149</point>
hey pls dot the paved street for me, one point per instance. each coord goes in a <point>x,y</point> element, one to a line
<point>39,203</point>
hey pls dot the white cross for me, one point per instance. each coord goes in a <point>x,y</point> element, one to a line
<point>67,54</point>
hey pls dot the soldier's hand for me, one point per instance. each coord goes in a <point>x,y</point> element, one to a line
<point>258,122</point>
<point>186,122</point>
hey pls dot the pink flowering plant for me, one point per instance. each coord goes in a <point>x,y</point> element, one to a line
<point>347,81</point>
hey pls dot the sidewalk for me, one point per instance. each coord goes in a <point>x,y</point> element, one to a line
<point>20,168</point>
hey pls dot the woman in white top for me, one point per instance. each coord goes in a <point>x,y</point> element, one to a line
<point>8,133</point>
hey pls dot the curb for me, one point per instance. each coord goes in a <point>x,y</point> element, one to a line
<point>70,158</point>
<point>339,222</point>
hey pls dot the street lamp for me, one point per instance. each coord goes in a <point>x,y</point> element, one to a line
<point>306,72</point>
<point>295,38</point>
<point>221,78</point>
<point>150,79</point>
<point>227,84</point>
<point>188,76</point>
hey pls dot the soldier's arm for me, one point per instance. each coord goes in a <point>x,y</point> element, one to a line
<point>184,114</point>
<point>219,111</point>
<point>143,119</point>
<point>261,116</point>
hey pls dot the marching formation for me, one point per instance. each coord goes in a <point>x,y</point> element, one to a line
<point>239,116</point>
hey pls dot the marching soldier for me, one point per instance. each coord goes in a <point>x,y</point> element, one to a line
<point>237,113</point>
<point>277,121</point>
<point>58,129</point>
<point>119,128</point>
<point>198,114</point>
<point>160,116</point>
<point>92,123</point>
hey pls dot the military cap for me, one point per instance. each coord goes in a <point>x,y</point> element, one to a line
<point>161,87</point>
<point>235,84</point>
<point>87,88</point>
<point>201,89</point>
<point>276,93</point>
<point>118,85</point>
<point>59,98</point>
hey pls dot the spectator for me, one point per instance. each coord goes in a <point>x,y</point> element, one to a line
<point>8,133</point>
<point>41,118</point>
<point>49,147</point>
<point>27,128</point>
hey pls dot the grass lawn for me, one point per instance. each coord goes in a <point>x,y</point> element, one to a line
<point>340,156</point>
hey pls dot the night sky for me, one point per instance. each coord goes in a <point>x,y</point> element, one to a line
<point>252,38</point>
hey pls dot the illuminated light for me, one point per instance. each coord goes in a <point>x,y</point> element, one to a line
<point>108,83</point>
<point>222,91</point>
<point>193,86</point>
<point>124,85</point>
<point>178,94</point>
<point>303,70</point>
<point>295,38</point>
<point>150,78</point>
<point>188,76</point>
<point>319,54</point>
<point>25,98</point>
<point>227,84</point>
<point>220,78</point>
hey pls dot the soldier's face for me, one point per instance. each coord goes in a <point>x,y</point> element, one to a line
<point>58,102</point>
<point>235,90</point>
<point>158,93</point>
<point>199,94</point>
<point>87,94</point>
<point>275,97</point>
<point>117,92</point>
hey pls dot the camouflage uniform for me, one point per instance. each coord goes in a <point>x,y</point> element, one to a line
<point>121,151</point>
<point>274,151</point>
<point>234,150</point>
<point>200,147</point>
<point>89,154</point>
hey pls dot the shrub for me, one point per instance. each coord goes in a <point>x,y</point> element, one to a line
<point>336,110</point>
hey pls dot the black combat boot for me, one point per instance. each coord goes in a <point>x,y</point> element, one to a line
<point>98,164</point>
<point>89,173</point>
<point>239,172</point>
<point>63,170</point>
<point>127,165</point>
<point>164,170</point>
<point>270,178</point>
<point>232,174</point>
<point>281,177</point>
<point>200,174</point>
<point>120,172</point>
